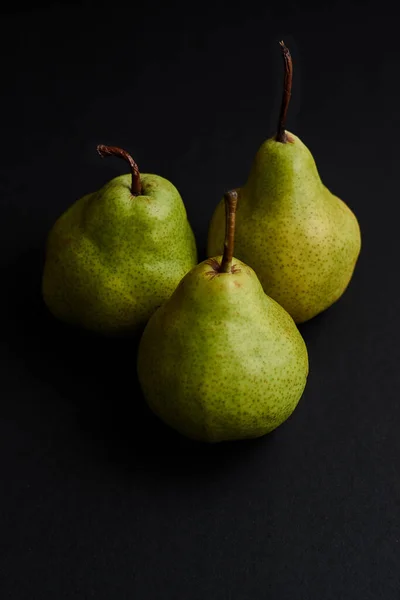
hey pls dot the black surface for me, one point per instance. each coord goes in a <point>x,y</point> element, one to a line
<point>99,499</point>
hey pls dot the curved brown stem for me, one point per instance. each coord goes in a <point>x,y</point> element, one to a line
<point>136,188</point>
<point>287,92</point>
<point>230,199</point>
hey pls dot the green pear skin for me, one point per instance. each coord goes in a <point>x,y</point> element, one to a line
<point>220,360</point>
<point>302,241</point>
<point>112,258</point>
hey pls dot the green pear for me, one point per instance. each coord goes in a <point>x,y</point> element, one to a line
<point>116,254</point>
<point>302,240</point>
<point>220,360</point>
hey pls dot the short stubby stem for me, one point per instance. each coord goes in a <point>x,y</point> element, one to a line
<point>231,199</point>
<point>281,135</point>
<point>136,188</point>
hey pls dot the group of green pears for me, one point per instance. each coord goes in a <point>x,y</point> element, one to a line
<point>220,356</point>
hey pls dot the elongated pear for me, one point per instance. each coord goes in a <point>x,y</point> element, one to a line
<point>301,239</point>
<point>220,360</point>
<point>115,255</point>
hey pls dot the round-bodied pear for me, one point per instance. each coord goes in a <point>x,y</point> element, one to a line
<point>117,254</point>
<point>220,360</point>
<point>302,240</point>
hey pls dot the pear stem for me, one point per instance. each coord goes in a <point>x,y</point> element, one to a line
<point>287,92</point>
<point>136,188</point>
<point>230,199</point>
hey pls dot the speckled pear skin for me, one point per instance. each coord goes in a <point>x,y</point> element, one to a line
<point>302,241</point>
<point>113,258</point>
<point>220,360</point>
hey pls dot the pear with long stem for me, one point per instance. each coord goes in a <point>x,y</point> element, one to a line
<point>302,240</point>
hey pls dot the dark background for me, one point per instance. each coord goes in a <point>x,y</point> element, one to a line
<point>98,498</point>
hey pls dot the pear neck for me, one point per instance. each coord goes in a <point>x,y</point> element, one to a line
<point>283,175</point>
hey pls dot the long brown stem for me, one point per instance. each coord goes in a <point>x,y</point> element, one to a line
<point>287,92</point>
<point>136,188</point>
<point>230,199</point>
